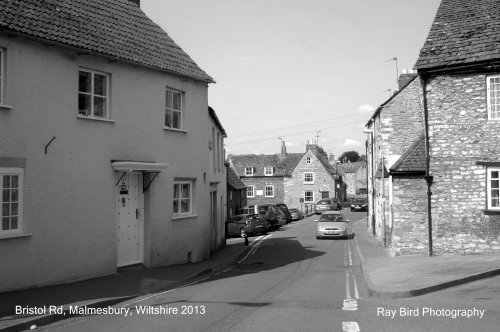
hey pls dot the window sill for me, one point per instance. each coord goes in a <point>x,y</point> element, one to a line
<point>176,130</point>
<point>94,119</point>
<point>14,235</point>
<point>184,216</point>
<point>5,107</point>
<point>491,212</point>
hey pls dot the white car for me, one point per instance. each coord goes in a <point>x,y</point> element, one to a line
<point>332,224</point>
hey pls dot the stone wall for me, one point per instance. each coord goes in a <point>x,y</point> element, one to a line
<point>295,186</point>
<point>460,136</point>
<point>259,183</point>
<point>409,228</point>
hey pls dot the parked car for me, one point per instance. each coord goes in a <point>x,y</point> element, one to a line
<point>272,215</point>
<point>250,224</point>
<point>359,204</point>
<point>328,204</point>
<point>284,209</point>
<point>296,214</point>
<point>332,224</point>
<point>246,210</point>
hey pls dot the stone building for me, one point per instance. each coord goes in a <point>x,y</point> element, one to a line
<point>441,192</point>
<point>394,129</point>
<point>355,176</point>
<point>459,66</point>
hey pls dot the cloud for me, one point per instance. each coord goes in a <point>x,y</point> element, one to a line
<point>351,142</point>
<point>364,109</point>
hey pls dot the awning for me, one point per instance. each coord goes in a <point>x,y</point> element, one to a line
<point>138,166</point>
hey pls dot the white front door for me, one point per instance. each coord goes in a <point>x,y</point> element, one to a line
<point>129,225</point>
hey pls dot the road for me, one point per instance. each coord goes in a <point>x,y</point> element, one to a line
<point>290,281</point>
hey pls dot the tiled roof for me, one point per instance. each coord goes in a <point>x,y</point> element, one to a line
<point>352,167</point>
<point>413,159</point>
<point>463,32</point>
<point>114,28</point>
<point>234,180</point>
<point>282,166</point>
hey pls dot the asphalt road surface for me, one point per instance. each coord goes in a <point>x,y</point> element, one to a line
<point>290,281</point>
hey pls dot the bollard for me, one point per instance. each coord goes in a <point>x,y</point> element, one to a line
<point>244,235</point>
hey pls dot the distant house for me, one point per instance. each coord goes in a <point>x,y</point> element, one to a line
<point>451,160</point>
<point>264,175</point>
<point>236,192</point>
<point>104,144</point>
<point>313,179</point>
<point>296,179</point>
<point>355,176</point>
<point>218,180</point>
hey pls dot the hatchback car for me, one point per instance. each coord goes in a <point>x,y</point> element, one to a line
<point>328,204</point>
<point>249,224</point>
<point>359,204</point>
<point>272,215</point>
<point>332,224</point>
<point>296,214</point>
<point>286,212</point>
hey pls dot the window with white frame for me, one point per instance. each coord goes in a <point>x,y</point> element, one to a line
<point>183,197</point>
<point>309,177</point>
<point>308,196</point>
<point>248,171</point>
<point>268,171</point>
<point>11,195</point>
<point>493,187</point>
<point>250,191</point>
<point>93,94</point>
<point>2,80</point>
<point>493,91</point>
<point>173,109</point>
<point>269,190</point>
<point>308,160</point>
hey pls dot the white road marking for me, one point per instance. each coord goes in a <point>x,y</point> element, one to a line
<point>350,327</point>
<point>255,245</point>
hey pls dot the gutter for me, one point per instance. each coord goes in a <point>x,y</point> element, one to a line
<point>428,178</point>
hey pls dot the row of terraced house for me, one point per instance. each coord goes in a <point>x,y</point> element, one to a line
<point>434,146</point>
<point>109,152</point>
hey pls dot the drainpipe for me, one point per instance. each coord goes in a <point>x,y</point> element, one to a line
<point>372,167</point>
<point>428,178</point>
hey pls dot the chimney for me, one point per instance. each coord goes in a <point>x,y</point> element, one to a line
<point>136,2</point>
<point>283,149</point>
<point>406,77</point>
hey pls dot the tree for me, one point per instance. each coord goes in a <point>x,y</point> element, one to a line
<point>351,156</point>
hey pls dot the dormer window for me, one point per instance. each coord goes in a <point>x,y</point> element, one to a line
<point>248,171</point>
<point>268,171</point>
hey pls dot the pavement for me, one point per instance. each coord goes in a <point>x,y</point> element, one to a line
<point>386,275</point>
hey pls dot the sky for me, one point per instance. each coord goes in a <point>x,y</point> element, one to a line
<point>297,71</point>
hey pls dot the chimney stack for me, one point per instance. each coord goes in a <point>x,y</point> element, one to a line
<point>283,149</point>
<point>406,77</point>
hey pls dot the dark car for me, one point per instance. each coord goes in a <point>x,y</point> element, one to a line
<point>284,209</point>
<point>296,214</point>
<point>359,204</point>
<point>328,204</point>
<point>272,215</point>
<point>249,224</point>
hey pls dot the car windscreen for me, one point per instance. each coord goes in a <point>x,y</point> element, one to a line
<point>331,218</point>
<point>324,201</point>
<point>360,201</point>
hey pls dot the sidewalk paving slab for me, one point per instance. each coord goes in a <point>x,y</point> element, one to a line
<point>110,290</point>
<point>389,276</point>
